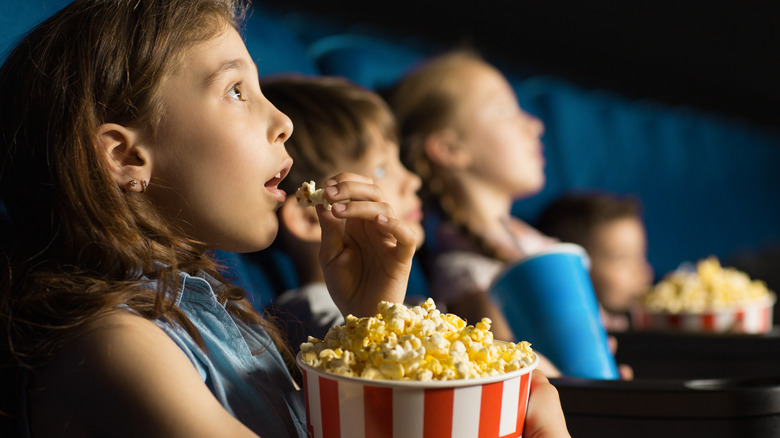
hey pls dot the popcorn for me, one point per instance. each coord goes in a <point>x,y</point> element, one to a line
<point>308,196</point>
<point>418,343</point>
<point>708,287</point>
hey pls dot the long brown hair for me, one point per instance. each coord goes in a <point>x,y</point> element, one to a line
<point>76,244</point>
<point>424,102</point>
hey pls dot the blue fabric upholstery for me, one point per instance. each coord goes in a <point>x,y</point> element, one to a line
<point>19,17</point>
<point>274,48</point>
<point>708,183</point>
<point>366,60</point>
<point>263,275</point>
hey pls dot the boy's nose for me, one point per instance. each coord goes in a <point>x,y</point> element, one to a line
<point>414,182</point>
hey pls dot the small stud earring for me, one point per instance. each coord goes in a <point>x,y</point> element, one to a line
<point>144,185</point>
<point>133,183</point>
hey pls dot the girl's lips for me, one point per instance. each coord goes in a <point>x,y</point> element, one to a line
<point>276,191</point>
<point>272,185</point>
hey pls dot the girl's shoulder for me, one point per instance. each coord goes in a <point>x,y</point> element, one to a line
<point>121,368</point>
<point>529,240</point>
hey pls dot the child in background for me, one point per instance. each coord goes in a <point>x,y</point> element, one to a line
<point>463,131</point>
<point>612,231</point>
<point>339,126</point>
<point>135,138</point>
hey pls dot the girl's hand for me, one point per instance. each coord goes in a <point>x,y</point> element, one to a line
<point>545,416</point>
<point>366,253</point>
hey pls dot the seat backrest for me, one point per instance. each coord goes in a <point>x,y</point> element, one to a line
<point>19,17</point>
<point>274,47</point>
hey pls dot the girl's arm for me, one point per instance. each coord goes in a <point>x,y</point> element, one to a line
<point>124,377</point>
<point>366,253</point>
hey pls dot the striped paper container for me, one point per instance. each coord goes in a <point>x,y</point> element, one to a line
<point>754,318</point>
<point>342,407</point>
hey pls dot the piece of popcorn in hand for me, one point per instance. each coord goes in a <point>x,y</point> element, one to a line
<point>308,195</point>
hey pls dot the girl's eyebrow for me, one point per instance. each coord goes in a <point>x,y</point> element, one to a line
<point>231,64</point>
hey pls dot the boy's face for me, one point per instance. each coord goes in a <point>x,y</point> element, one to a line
<point>619,267</point>
<point>399,186</point>
<point>220,154</point>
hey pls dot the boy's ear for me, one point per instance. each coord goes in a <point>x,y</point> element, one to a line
<point>445,149</point>
<point>128,159</point>
<point>302,222</point>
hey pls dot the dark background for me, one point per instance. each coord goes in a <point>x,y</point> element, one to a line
<point>718,56</point>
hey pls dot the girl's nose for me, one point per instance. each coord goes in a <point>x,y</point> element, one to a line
<point>281,127</point>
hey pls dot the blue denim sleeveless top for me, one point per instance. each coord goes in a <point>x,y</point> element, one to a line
<point>256,388</point>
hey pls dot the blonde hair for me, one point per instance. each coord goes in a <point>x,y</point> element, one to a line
<point>427,101</point>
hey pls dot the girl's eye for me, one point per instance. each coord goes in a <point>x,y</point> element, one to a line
<point>380,172</point>
<point>235,92</point>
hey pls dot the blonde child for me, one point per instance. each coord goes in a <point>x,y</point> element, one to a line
<point>339,126</point>
<point>612,231</point>
<point>134,139</point>
<point>463,131</point>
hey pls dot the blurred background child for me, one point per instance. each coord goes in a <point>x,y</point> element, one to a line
<point>612,231</point>
<point>339,126</point>
<point>463,131</point>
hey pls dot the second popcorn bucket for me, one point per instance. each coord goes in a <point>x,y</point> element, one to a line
<point>384,382</point>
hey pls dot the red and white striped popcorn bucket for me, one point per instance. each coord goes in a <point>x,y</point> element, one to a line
<point>342,407</point>
<point>751,319</point>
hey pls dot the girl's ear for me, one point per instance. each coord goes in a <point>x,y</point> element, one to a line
<point>445,149</point>
<point>127,157</point>
<point>301,222</point>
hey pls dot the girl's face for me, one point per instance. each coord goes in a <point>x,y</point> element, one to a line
<point>504,140</point>
<point>220,154</point>
<point>399,186</point>
<point>619,267</point>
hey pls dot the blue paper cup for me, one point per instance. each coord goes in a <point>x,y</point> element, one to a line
<point>548,299</point>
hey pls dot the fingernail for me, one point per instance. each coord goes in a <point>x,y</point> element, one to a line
<point>339,207</point>
<point>332,190</point>
<point>381,218</point>
<point>331,182</point>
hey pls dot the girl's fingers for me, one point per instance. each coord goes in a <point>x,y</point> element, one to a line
<point>332,233</point>
<point>348,176</point>
<point>405,237</point>
<point>364,210</point>
<point>545,415</point>
<point>354,189</point>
